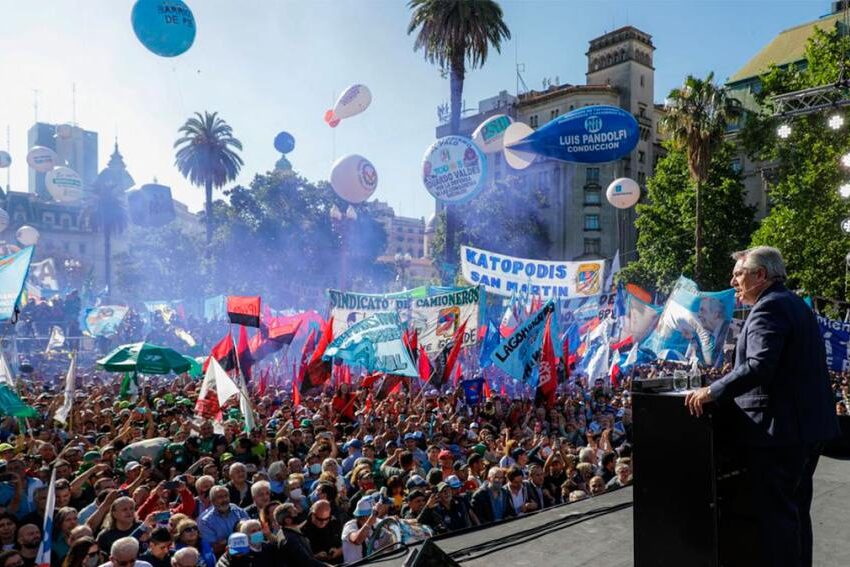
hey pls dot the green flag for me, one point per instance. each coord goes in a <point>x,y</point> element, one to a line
<point>11,404</point>
<point>129,387</point>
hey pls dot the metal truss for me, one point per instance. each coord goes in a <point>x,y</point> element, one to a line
<point>809,101</point>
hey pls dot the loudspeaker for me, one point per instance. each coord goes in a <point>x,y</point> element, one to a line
<point>429,555</point>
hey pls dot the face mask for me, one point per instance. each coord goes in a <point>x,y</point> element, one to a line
<point>295,493</point>
<point>256,538</point>
<point>316,469</point>
<point>92,561</point>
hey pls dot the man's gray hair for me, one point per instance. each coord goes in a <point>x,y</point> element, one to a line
<point>125,547</point>
<point>248,524</point>
<point>258,486</point>
<point>586,455</point>
<point>185,555</point>
<point>766,257</point>
<point>218,489</point>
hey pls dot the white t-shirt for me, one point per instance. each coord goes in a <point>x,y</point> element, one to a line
<point>352,551</point>
<point>138,564</point>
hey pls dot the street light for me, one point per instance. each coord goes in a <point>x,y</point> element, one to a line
<point>784,131</point>
<point>844,190</point>
<point>402,263</point>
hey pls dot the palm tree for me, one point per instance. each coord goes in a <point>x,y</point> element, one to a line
<point>206,157</point>
<point>697,118</point>
<point>452,34</point>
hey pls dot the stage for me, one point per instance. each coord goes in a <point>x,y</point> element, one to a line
<point>598,532</point>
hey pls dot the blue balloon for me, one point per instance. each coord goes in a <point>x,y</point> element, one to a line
<point>284,142</point>
<point>165,27</point>
<point>593,134</point>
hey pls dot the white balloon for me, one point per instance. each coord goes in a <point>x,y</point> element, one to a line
<point>354,178</point>
<point>454,169</point>
<point>488,135</point>
<point>5,159</point>
<point>64,131</point>
<point>4,220</point>
<point>354,100</point>
<point>623,193</point>
<point>27,235</point>
<point>42,159</point>
<point>514,133</point>
<point>64,184</point>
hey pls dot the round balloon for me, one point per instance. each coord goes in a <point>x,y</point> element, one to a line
<point>284,142</point>
<point>354,178</point>
<point>27,235</point>
<point>165,27</point>
<point>623,193</point>
<point>64,131</point>
<point>514,133</point>
<point>488,135</point>
<point>42,159</point>
<point>453,169</point>
<point>64,184</point>
<point>353,100</point>
<point>5,159</point>
<point>4,220</point>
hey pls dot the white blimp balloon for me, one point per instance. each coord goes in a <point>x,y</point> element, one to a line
<point>488,135</point>
<point>64,184</point>
<point>623,193</point>
<point>42,159</point>
<point>4,220</point>
<point>5,159</point>
<point>514,133</point>
<point>27,235</point>
<point>354,100</point>
<point>354,178</point>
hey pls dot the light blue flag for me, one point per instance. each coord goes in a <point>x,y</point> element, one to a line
<point>14,270</point>
<point>518,354</point>
<point>374,343</point>
<point>102,321</point>
<point>693,319</point>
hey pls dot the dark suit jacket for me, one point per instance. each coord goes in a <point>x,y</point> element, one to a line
<point>780,381</point>
<point>532,495</point>
<point>483,507</point>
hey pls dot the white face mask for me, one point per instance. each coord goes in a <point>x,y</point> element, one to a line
<point>295,493</point>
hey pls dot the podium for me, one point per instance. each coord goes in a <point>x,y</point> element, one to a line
<point>691,501</point>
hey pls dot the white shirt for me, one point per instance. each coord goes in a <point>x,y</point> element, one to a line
<point>138,564</point>
<point>352,551</point>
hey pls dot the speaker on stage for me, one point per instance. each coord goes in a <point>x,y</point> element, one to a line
<point>429,555</point>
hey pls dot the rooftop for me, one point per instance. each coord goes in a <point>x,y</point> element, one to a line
<point>534,97</point>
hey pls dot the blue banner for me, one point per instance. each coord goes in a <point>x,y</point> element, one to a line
<point>473,390</point>
<point>374,343</point>
<point>489,344</point>
<point>518,354</point>
<point>215,308</point>
<point>693,323</point>
<point>836,336</point>
<point>102,321</point>
<point>14,270</point>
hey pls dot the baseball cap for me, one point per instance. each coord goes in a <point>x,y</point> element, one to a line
<point>453,481</point>
<point>132,465</point>
<point>356,443</point>
<point>237,544</point>
<point>364,507</point>
<point>416,481</point>
<point>6,447</point>
<point>444,454</point>
<point>442,486</point>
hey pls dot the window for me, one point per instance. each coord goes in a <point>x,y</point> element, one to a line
<point>532,121</point>
<point>641,156</point>
<point>592,175</point>
<point>82,247</point>
<point>591,222</point>
<point>48,218</point>
<point>591,246</point>
<point>554,113</point>
<point>641,80</point>
<point>66,222</point>
<point>736,165</point>
<point>641,178</point>
<point>592,197</point>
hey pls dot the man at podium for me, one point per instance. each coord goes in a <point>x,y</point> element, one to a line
<point>780,383</point>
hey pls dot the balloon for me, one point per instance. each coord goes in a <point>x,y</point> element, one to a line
<point>284,142</point>
<point>165,27</point>
<point>354,100</point>
<point>5,159</point>
<point>151,205</point>
<point>354,178</point>
<point>42,159</point>
<point>4,220</point>
<point>623,193</point>
<point>64,184</point>
<point>453,169</point>
<point>64,131</point>
<point>515,132</point>
<point>27,235</point>
<point>593,134</point>
<point>488,135</point>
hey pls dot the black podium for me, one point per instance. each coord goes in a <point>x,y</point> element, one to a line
<point>691,504</point>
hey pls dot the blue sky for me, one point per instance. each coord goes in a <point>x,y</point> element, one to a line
<point>271,65</point>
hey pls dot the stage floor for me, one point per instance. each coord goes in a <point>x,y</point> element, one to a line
<point>598,532</point>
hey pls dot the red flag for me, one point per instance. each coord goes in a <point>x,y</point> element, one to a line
<point>318,371</point>
<point>488,393</point>
<point>458,373</point>
<point>424,365</point>
<point>309,346</point>
<point>367,409</point>
<point>346,374</point>
<point>244,310</point>
<point>296,394</point>
<point>283,329</point>
<point>243,352</point>
<point>263,382</point>
<point>224,352</point>
<point>457,343</point>
<point>371,379</point>
<point>548,367</point>
<point>391,384</point>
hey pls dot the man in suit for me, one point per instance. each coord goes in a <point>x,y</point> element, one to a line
<point>492,502</point>
<point>780,384</point>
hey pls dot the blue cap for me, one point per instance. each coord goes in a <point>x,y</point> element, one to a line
<point>454,482</point>
<point>408,436</point>
<point>356,443</point>
<point>237,544</point>
<point>369,439</point>
<point>364,507</point>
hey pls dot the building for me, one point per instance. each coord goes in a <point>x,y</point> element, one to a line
<point>582,223</point>
<point>73,145</point>
<point>405,236</point>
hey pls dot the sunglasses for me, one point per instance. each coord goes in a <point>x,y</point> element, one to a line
<point>322,520</point>
<point>188,530</point>
<point>89,554</point>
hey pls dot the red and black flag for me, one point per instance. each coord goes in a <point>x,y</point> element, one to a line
<point>446,359</point>
<point>547,384</point>
<point>271,338</point>
<point>307,349</point>
<point>243,353</point>
<point>244,310</point>
<point>318,371</point>
<point>391,384</point>
<point>224,352</point>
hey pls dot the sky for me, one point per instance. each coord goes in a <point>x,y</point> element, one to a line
<point>272,65</point>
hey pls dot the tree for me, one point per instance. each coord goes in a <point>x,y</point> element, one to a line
<point>697,119</point>
<point>452,34</point>
<point>805,208</point>
<point>107,210</point>
<point>206,157</point>
<point>666,222</point>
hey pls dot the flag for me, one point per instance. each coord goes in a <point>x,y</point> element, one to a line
<point>346,375</point>
<point>216,389</point>
<point>296,395</point>
<point>243,353</point>
<point>424,365</point>
<point>318,371</point>
<point>6,376</point>
<point>615,267</point>
<point>488,393</point>
<point>624,344</point>
<point>374,343</point>
<point>43,557</point>
<point>371,379</point>
<point>306,351</point>
<point>129,387</point>
<point>245,406</point>
<point>548,367</point>
<point>488,345</point>
<point>244,310</point>
<point>458,374</point>
<point>473,390</point>
<point>263,382</point>
<point>509,320</point>
<point>13,274</point>
<point>518,355</point>
<point>56,340</point>
<point>184,336</point>
<point>63,412</point>
<point>283,329</point>
<point>446,359</point>
<point>390,385</point>
<point>597,367</point>
<point>224,353</point>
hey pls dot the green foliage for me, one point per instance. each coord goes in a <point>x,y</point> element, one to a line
<point>805,208</point>
<point>666,223</point>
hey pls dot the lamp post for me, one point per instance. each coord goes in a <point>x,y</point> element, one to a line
<point>402,263</point>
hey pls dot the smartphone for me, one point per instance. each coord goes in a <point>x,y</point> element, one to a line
<point>162,518</point>
<point>171,485</point>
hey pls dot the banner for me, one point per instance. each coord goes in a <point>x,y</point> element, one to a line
<point>103,321</point>
<point>836,336</point>
<point>640,318</point>
<point>518,354</point>
<point>244,310</point>
<point>506,275</point>
<point>473,390</point>
<point>349,307</point>
<point>437,317</point>
<point>215,308</point>
<point>13,274</point>
<point>43,275</point>
<point>694,320</point>
<point>375,344</point>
